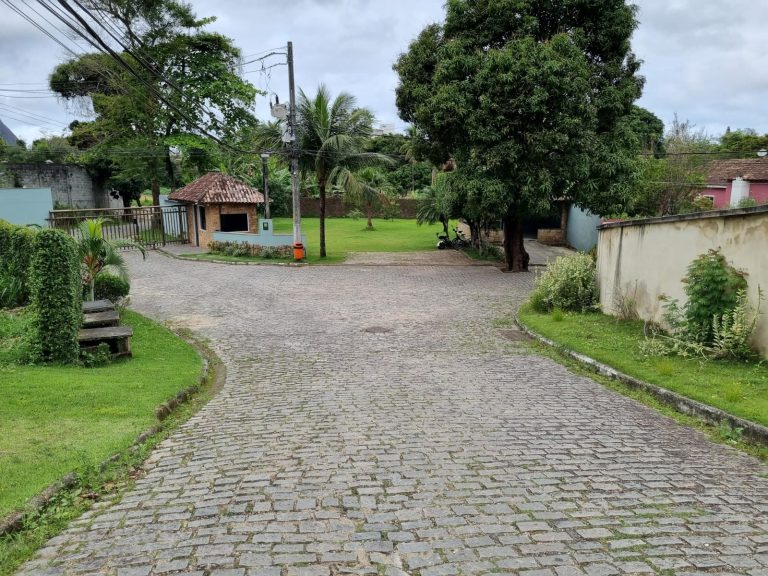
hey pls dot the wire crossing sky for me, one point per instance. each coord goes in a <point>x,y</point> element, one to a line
<point>703,60</point>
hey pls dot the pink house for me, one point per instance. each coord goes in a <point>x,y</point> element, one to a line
<point>730,181</point>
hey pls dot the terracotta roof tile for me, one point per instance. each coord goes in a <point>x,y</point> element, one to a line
<point>217,188</point>
<point>723,171</point>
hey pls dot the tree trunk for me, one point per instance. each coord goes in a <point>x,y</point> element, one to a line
<point>321,185</point>
<point>155,192</point>
<point>514,248</point>
<point>369,211</point>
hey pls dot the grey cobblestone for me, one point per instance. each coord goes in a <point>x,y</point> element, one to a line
<point>375,422</point>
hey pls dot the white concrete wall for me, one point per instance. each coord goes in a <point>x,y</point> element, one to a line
<point>646,259</point>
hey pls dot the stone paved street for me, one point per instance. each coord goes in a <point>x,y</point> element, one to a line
<point>375,421</point>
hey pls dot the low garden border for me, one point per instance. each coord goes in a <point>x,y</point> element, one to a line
<point>751,431</point>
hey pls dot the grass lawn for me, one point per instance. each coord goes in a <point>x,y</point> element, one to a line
<point>345,235</point>
<point>736,387</point>
<point>55,419</point>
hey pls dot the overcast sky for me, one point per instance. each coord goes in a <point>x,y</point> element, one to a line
<point>703,59</point>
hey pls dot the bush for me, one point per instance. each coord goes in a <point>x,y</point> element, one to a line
<point>242,249</point>
<point>15,250</point>
<point>110,287</point>
<point>354,214</point>
<point>56,297</point>
<point>712,287</point>
<point>570,283</point>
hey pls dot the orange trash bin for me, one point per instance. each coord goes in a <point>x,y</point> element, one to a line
<point>298,251</point>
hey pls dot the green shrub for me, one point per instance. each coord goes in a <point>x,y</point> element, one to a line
<point>242,249</point>
<point>712,287</point>
<point>354,214</point>
<point>110,287</point>
<point>11,290</point>
<point>570,283</point>
<point>56,297</point>
<point>15,250</point>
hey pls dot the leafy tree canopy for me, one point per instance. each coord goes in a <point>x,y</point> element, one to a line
<point>532,99</point>
<point>187,80</point>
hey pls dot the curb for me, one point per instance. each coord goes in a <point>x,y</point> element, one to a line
<point>752,431</point>
<point>14,521</point>
<point>251,263</point>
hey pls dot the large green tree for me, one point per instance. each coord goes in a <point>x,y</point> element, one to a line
<point>531,99</point>
<point>183,81</point>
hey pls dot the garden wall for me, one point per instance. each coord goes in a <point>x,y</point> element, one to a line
<point>336,208</point>
<point>646,259</point>
<point>70,185</point>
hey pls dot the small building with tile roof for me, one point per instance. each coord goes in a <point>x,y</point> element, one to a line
<point>730,181</point>
<point>219,203</point>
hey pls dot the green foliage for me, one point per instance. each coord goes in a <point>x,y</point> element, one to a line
<point>110,287</point>
<point>569,283</point>
<point>355,214</point>
<point>135,141</point>
<point>747,203</point>
<point>716,321</point>
<point>532,108</point>
<point>712,287</point>
<point>244,249</point>
<point>98,356</point>
<point>98,254</point>
<point>56,297</point>
<point>15,250</point>
<point>731,332</point>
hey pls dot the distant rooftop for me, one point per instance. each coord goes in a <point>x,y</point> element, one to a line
<point>723,171</point>
<point>7,136</point>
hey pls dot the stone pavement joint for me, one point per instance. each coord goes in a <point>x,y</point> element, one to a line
<point>435,447</point>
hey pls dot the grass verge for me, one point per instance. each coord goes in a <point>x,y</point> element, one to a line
<point>345,235</point>
<point>85,420</point>
<point>739,388</point>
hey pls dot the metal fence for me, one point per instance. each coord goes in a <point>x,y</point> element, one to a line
<point>150,226</point>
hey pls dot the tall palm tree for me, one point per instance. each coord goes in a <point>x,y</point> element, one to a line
<point>98,254</point>
<point>331,135</point>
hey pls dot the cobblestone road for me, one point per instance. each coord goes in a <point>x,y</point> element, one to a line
<point>374,422</point>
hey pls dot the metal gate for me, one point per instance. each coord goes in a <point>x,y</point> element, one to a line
<point>150,226</point>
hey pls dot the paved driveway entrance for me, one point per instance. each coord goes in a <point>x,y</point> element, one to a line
<point>374,421</point>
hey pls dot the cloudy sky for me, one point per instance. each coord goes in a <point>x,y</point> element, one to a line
<point>704,60</point>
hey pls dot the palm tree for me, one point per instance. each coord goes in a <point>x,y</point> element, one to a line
<point>331,135</point>
<point>99,254</point>
<point>433,204</point>
<point>367,188</point>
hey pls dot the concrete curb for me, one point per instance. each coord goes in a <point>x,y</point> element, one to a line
<point>284,264</point>
<point>751,431</point>
<point>14,522</point>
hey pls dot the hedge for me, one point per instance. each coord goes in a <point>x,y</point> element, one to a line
<point>16,244</point>
<point>56,297</point>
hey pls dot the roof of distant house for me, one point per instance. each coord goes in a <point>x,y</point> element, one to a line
<point>7,136</point>
<point>218,188</point>
<point>723,171</point>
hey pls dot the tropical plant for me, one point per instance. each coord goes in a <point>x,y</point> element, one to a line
<point>98,254</point>
<point>569,283</point>
<point>432,204</point>
<point>366,188</point>
<point>332,135</point>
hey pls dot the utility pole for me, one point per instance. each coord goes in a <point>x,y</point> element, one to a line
<point>294,154</point>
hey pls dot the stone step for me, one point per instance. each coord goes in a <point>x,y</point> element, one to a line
<point>97,306</point>
<point>101,319</point>
<point>117,337</point>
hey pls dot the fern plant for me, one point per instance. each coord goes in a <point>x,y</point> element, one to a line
<point>732,330</point>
